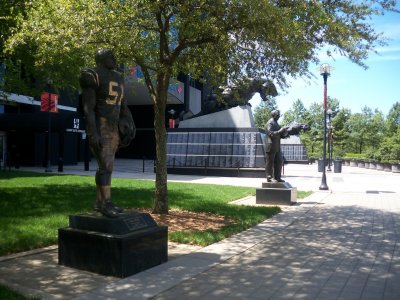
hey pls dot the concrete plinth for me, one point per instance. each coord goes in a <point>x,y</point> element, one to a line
<point>235,117</point>
<point>276,193</point>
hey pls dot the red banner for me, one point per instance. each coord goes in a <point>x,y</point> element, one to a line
<point>49,102</point>
<point>44,104</point>
<point>171,123</point>
<point>53,103</point>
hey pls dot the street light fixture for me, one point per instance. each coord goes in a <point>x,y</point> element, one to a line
<point>325,72</point>
<point>329,112</point>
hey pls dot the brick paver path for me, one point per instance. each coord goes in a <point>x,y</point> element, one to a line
<point>344,248</point>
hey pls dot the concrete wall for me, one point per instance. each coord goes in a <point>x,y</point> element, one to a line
<point>236,117</point>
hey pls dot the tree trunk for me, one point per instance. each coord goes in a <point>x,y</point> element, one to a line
<point>161,190</point>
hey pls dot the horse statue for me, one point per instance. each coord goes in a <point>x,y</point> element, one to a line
<point>239,93</point>
<point>295,129</point>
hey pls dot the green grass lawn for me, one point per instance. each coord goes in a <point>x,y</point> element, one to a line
<point>34,205</point>
<point>9,294</point>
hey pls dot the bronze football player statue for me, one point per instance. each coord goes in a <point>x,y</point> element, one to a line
<point>109,123</point>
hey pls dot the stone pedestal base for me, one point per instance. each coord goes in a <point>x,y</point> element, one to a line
<point>280,193</point>
<point>117,247</point>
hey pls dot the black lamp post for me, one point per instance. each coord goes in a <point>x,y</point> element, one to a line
<point>329,113</point>
<point>324,69</point>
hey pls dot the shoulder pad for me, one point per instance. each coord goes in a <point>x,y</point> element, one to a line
<point>89,78</point>
<point>118,74</point>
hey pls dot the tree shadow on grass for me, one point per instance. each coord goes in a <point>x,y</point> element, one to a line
<point>72,199</point>
<point>34,205</point>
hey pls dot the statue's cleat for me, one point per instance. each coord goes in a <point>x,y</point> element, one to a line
<point>97,206</point>
<point>115,207</point>
<point>280,180</point>
<point>106,209</point>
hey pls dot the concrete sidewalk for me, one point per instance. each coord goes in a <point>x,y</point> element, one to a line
<point>336,244</point>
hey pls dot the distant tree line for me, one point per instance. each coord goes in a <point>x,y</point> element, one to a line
<point>368,134</point>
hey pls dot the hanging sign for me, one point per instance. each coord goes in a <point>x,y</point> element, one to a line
<point>49,102</point>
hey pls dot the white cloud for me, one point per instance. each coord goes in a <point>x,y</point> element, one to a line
<point>390,30</point>
<point>390,53</point>
<point>386,58</point>
<point>388,49</point>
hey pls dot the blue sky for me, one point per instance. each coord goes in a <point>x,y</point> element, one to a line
<point>354,87</point>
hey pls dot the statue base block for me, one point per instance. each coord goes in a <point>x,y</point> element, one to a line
<point>117,247</point>
<point>276,193</point>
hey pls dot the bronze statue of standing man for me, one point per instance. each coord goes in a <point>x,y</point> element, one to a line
<point>109,123</point>
<point>273,155</point>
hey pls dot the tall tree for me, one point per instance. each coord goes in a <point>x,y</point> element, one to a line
<point>358,126</point>
<point>341,131</point>
<point>366,128</point>
<point>9,12</point>
<point>19,67</point>
<point>312,139</point>
<point>297,113</point>
<point>314,118</point>
<point>262,113</point>
<point>392,123</point>
<point>220,38</point>
<point>376,128</point>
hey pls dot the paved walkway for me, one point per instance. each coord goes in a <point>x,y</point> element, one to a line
<point>336,244</point>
